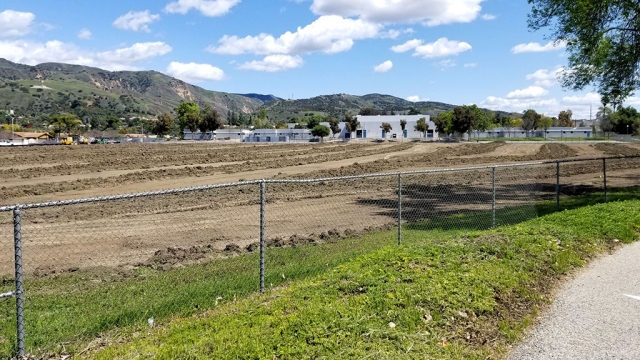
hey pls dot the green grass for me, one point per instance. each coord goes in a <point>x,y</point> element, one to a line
<point>450,297</point>
<point>103,301</point>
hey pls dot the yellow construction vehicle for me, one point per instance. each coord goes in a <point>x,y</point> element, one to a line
<point>67,141</point>
<point>79,139</point>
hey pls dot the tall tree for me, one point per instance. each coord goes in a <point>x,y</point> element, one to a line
<point>421,126</point>
<point>444,122</point>
<point>545,123</point>
<point>334,125</point>
<point>188,115</point>
<point>626,121</point>
<point>564,118</point>
<point>210,119</point>
<point>602,38</point>
<point>386,127</point>
<point>530,120</point>
<point>462,120</point>
<point>163,126</point>
<point>351,122</point>
<point>67,123</point>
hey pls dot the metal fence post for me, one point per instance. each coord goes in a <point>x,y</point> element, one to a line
<point>399,209</point>
<point>263,244</point>
<point>493,190</point>
<point>17,237</point>
<point>558,185</point>
<point>604,171</point>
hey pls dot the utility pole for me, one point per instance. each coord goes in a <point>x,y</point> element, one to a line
<point>12,116</point>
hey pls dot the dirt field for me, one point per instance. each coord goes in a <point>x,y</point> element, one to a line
<point>171,230</point>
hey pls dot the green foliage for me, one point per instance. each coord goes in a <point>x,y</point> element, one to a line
<point>9,127</point>
<point>188,115</point>
<point>113,122</point>
<point>314,121</point>
<point>602,41</point>
<point>321,131</point>
<point>626,121</point>
<point>530,120</point>
<point>65,123</point>
<point>444,122</point>
<point>403,124</point>
<point>351,122</point>
<point>386,127</point>
<point>370,112</point>
<point>281,125</point>
<point>163,126</point>
<point>436,286</point>
<point>210,119</point>
<point>564,119</point>
<point>421,126</point>
<point>334,125</point>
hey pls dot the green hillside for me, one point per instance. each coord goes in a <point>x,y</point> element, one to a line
<point>93,93</point>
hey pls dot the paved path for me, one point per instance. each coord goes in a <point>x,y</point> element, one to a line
<point>595,316</point>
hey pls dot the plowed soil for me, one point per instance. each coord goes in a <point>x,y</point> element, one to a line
<point>203,225</point>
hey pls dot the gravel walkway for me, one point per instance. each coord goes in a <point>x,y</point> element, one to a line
<point>595,316</point>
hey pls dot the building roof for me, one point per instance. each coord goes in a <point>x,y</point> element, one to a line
<point>32,135</point>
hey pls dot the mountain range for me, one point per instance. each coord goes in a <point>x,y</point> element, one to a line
<point>90,93</point>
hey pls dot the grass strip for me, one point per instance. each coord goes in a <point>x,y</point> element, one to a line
<point>436,297</point>
<point>66,311</point>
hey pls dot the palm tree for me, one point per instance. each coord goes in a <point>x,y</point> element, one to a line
<point>67,123</point>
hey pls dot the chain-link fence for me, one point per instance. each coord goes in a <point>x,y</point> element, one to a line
<point>79,270</point>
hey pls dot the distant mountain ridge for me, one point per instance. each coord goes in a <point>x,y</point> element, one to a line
<point>86,91</point>
<point>93,93</point>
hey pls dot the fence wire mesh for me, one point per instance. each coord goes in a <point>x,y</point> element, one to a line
<point>95,265</point>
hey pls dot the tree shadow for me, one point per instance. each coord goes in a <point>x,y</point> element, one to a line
<point>470,207</point>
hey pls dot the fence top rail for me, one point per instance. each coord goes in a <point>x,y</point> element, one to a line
<point>292,181</point>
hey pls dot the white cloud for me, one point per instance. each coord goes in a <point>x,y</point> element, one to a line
<point>470,65</point>
<point>193,72</point>
<point>33,53</point>
<point>416,98</point>
<point>15,23</point>
<point>274,63</point>
<point>85,34</point>
<point>531,92</point>
<point>536,47</point>
<point>429,12</point>
<point>588,98</point>
<point>546,78</point>
<point>445,64</point>
<point>441,48</point>
<point>210,8</point>
<point>384,67</point>
<point>395,33</point>
<point>136,21</point>
<point>409,45</point>
<point>328,34</point>
<point>488,17</point>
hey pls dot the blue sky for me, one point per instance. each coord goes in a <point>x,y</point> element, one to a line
<point>453,51</point>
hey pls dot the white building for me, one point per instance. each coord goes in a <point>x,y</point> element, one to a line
<point>279,135</point>
<point>551,133</point>
<point>371,128</point>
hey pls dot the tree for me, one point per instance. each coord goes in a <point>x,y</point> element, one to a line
<point>564,118</point>
<point>210,119</point>
<point>163,125</point>
<point>334,125</point>
<point>281,125</point>
<point>604,116</point>
<point>113,122</point>
<point>545,123</point>
<point>403,124</point>
<point>626,121</point>
<point>386,127</point>
<point>351,123</point>
<point>530,120</point>
<point>320,131</point>
<point>370,112</point>
<point>188,116</point>
<point>462,120</point>
<point>67,123</point>
<point>413,111</point>
<point>602,38</point>
<point>314,121</point>
<point>421,126</point>
<point>443,122</point>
